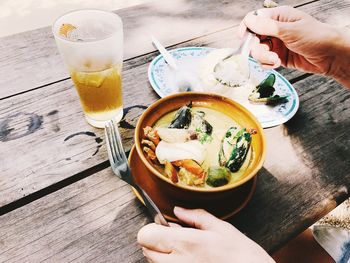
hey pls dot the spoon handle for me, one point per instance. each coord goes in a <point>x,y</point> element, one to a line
<point>167,56</point>
<point>245,49</point>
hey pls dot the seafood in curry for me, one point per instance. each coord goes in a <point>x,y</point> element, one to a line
<point>199,147</point>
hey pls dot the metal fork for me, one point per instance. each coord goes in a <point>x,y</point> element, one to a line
<point>120,167</point>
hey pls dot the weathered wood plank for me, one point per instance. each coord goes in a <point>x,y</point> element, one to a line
<point>98,218</point>
<point>307,168</point>
<point>33,128</point>
<point>310,190</point>
<point>58,117</point>
<point>296,186</point>
<point>94,219</point>
<point>29,60</point>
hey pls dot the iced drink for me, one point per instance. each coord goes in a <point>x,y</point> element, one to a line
<point>91,44</point>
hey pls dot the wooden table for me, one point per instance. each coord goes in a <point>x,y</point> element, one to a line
<point>59,200</point>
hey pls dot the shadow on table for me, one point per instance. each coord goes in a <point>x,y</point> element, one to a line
<point>319,136</point>
<point>117,240</point>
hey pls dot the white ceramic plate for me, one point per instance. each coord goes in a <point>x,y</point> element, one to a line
<point>161,77</point>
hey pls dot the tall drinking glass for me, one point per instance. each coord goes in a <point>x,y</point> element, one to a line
<point>91,44</point>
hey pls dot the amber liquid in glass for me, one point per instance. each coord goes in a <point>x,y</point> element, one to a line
<point>100,93</point>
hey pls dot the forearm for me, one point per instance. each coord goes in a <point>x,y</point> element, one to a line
<point>340,68</point>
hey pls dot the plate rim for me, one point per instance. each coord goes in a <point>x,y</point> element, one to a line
<point>151,79</point>
<point>266,124</point>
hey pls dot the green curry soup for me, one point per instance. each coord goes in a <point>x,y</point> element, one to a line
<point>220,154</point>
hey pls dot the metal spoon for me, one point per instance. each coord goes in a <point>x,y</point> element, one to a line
<point>166,55</point>
<point>185,80</point>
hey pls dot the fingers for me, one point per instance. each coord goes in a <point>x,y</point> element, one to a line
<point>155,257</point>
<point>164,239</point>
<point>281,13</point>
<point>261,25</point>
<point>201,219</point>
<point>263,54</point>
<point>267,58</point>
<point>271,21</point>
<point>174,225</point>
<point>154,237</point>
<point>197,218</point>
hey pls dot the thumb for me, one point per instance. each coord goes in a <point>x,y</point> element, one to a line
<point>197,218</point>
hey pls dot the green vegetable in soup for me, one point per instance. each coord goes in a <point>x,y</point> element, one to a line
<point>226,145</point>
<point>234,149</point>
<point>200,124</point>
<point>218,176</point>
<point>203,137</point>
<point>182,117</point>
<point>202,127</point>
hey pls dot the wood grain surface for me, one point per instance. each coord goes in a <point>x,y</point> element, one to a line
<point>30,60</point>
<point>98,217</point>
<point>307,170</point>
<point>64,202</point>
<point>36,127</point>
<point>95,219</point>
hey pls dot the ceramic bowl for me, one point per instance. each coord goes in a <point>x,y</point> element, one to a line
<point>221,201</point>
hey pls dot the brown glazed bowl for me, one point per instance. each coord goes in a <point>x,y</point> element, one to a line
<point>222,201</point>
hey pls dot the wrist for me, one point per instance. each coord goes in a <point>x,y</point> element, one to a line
<point>340,65</point>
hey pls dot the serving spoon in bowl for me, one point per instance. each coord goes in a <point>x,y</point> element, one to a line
<point>233,69</point>
<point>184,78</point>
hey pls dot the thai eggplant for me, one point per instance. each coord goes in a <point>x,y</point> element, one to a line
<point>182,117</point>
<point>218,176</point>
<point>234,149</point>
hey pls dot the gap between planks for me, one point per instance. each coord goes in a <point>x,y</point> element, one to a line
<point>53,188</point>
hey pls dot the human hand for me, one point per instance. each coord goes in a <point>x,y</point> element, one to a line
<point>208,239</point>
<point>297,40</point>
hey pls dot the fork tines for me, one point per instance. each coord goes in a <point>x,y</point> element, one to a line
<point>114,142</point>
